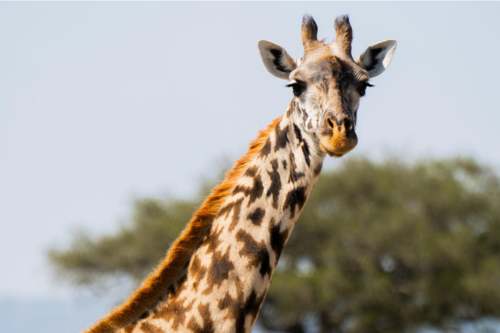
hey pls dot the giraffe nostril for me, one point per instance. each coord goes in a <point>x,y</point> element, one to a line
<point>330,122</point>
<point>343,124</point>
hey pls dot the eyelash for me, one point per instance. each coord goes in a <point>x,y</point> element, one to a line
<point>298,87</point>
<point>362,87</point>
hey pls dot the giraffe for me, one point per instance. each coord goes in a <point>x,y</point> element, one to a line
<point>215,276</point>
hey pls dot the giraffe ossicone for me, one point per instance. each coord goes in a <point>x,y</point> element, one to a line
<point>215,276</point>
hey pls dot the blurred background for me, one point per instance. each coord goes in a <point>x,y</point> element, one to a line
<point>116,118</point>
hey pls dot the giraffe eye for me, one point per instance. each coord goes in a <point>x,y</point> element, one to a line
<point>362,87</point>
<point>298,87</point>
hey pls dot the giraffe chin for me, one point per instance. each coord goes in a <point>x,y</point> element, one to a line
<point>338,146</point>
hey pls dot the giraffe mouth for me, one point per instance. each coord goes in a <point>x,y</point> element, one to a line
<point>335,153</point>
<point>338,145</point>
<point>331,153</point>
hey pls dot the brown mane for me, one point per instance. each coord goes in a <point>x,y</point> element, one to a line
<point>167,273</point>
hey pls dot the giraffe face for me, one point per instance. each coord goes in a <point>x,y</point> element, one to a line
<point>327,82</point>
<point>328,90</point>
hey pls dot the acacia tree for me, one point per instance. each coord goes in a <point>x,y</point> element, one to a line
<point>381,247</point>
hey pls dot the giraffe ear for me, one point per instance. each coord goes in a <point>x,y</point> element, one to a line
<point>377,57</point>
<point>276,59</point>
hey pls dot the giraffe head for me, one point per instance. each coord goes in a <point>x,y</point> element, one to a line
<point>327,82</point>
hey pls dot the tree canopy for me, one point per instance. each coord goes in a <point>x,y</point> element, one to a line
<point>382,246</point>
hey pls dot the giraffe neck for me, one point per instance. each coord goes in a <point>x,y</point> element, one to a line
<point>228,275</point>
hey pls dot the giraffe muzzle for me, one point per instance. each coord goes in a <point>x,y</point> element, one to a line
<point>339,136</point>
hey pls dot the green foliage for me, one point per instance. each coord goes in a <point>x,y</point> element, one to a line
<point>132,251</point>
<point>392,246</point>
<point>381,247</point>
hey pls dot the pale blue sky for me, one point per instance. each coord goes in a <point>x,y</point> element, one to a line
<point>104,102</point>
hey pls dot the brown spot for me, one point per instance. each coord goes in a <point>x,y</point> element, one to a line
<point>150,328</point>
<point>249,308</point>
<point>130,328</point>
<point>197,271</point>
<point>226,209</point>
<point>225,302</point>
<point>278,238</point>
<point>298,133</point>
<point>257,253</point>
<point>266,149</point>
<point>306,152</point>
<point>253,192</point>
<point>213,240</point>
<point>275,187</point>
<point>218,271</point>
<point>256,216</point>
<point>236,214</point>
<point>281,137</point>
<point>296,198</point>
<point>173,312</point>
<point>232,304</point>
<point>257,189</point>
<point>234,207</point>
<point>294,174</point>
<point>251,171</point>
<point>193,325</point>
<point>207,325</point>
